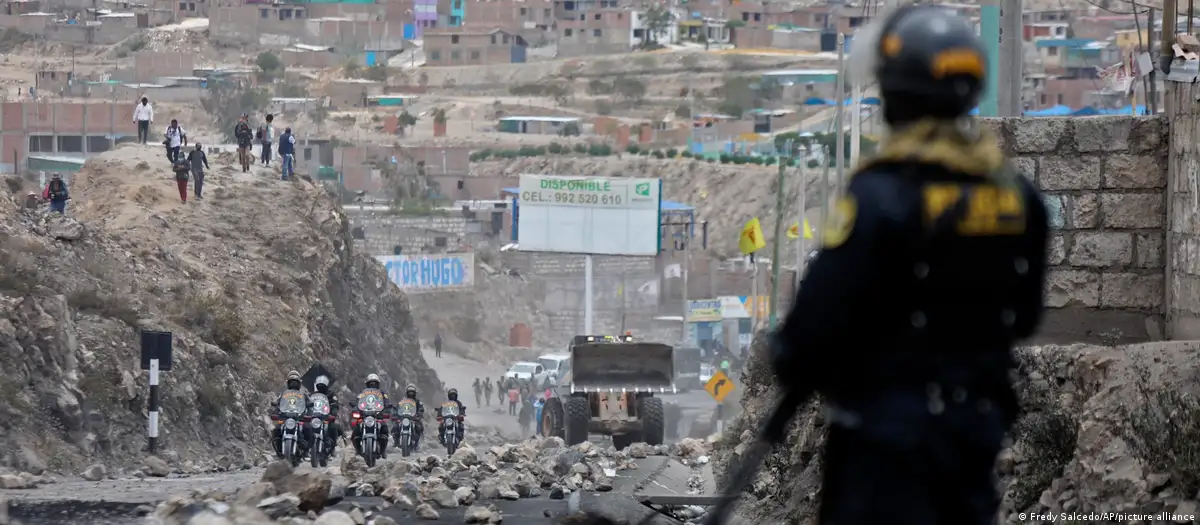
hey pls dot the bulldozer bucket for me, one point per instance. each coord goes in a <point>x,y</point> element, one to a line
<point>630,367</point>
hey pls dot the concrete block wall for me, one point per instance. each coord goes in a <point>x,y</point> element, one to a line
<point>415,234</point>
<point>1104,180</point>
<point>1183,247</point>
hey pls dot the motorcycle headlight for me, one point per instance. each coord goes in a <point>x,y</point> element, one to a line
<point>316,423</point>
<point>290,424</point>
<point>370,422</point>
<point>406,423</point>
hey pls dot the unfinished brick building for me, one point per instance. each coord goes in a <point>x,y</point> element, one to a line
<point>61,129</point>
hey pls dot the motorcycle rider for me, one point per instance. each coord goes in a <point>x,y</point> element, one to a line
<point>410,392</point>
<point>373,382</point>
<point>333,430</point>
<point>452,396</point>
<point>293,384</point>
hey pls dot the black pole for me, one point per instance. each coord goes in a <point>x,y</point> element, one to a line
<point>704,235</point>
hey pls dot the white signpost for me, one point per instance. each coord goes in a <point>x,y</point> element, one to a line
<point>591,216</point>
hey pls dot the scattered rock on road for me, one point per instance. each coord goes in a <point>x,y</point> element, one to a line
<point>156,467</point>
<point>481,514</point>
<point>95,472</point>
<point>426,511</point>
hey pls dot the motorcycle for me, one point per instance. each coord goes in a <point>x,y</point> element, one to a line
<point>370,416</point>
<point>450,426</point>
<point>406,428</point>
<point>290,417</point>
<point>318,421</point>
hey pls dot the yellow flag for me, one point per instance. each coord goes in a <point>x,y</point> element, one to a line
<point>752,239</point>
<point>793,231</point>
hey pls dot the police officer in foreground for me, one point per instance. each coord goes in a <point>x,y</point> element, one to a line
<point>932,268</point>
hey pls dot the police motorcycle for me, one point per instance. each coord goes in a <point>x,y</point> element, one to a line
<point>406,426</point>
<point>290,419</point>
<point>370,414</point>
<point>318,420</point>
<point>450,425</point>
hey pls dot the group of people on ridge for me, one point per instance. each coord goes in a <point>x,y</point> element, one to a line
<point>373,382</point>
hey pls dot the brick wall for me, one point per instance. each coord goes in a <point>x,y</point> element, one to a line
<point>1104,180</point>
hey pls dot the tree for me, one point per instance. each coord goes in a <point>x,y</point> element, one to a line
<point>319,114</point>
<point>226,102</point>
<point>570,129</point>
<point>405,121</point>
<point>269,67</point>
<point>658,19</point>
<point>630,88</point>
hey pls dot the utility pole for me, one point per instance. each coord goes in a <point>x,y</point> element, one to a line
<point>839,117</point>
<point>776,262</point>
<point>1011,65</point>
<point>855,124</point>
<point>989,32</point>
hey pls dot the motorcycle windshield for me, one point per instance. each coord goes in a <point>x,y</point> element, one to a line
<point>449,409</point>
<point>291,404</point>
<point>370,401</point>
<point>320,405</point>
<point>407,408</point>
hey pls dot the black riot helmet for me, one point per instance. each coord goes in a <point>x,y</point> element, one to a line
<point>929,63</point>
<point>452,394</point>
<point>293,380</point>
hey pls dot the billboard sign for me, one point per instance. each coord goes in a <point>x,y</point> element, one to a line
<point>432,272</point>
<point>704,310</point>
<point>593,215</point>
<point>742,306</point>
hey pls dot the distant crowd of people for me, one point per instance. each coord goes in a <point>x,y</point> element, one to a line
<point>523,396</point>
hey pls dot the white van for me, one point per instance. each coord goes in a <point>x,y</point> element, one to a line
<point>555,365</point>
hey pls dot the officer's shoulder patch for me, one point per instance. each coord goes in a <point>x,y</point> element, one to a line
<point>840,224</point>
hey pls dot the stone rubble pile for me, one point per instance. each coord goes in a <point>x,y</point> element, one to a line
<point>421,486</point>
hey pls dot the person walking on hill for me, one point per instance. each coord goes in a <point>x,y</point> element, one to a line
<point>514,397</point>
<point>199,163</point>
<point>287,152</point>
<point>56,192</point>
<point>478,392</point>
<point>501,389</point>
<point>437,345</point>
<point>241,131</point>
<point>182,168</point>
<point>143,115</point>
<point>266,135</point>
<point>176,138</point>
<point>487,391</point>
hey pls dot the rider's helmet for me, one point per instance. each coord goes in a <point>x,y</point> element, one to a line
<point>373,381</point>
<point>293,380</point>
<point>410,391</point>
<point>452,394</point>
<point>321,383</point>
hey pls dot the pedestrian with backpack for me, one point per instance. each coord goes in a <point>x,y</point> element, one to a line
<point>265,136</point>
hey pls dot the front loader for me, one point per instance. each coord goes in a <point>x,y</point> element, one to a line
<point>609,389</point>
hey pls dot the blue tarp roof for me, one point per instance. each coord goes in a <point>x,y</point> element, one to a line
<point>817,101</point>
<point>1064,42</point>
<point>1064,111</point>
<point>1053,111</point>
<point>666,205</point>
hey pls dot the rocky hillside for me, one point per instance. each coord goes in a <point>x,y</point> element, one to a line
<point>256,279</point>
<point>1105,429</point>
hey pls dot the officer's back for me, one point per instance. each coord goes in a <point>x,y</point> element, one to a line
<point>932,268</point>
